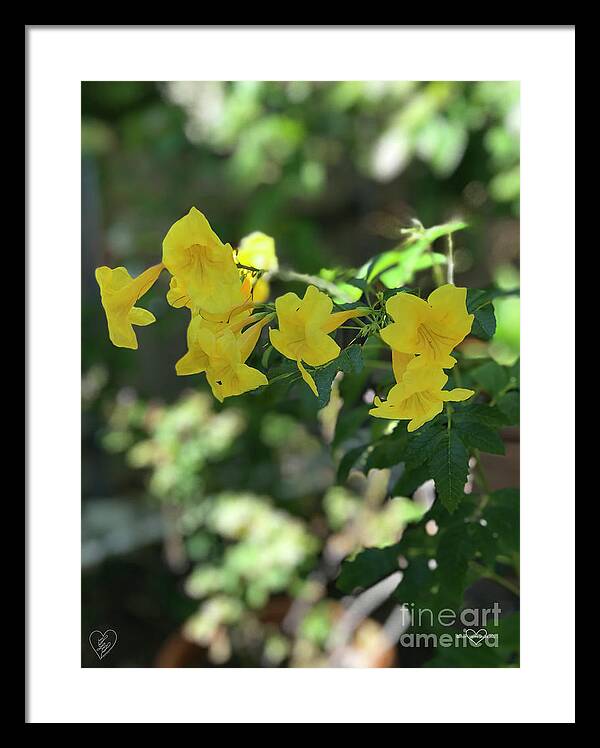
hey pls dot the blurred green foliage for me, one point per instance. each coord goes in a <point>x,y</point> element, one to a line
<point>266,494</point>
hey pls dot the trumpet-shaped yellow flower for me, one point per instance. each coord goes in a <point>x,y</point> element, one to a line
<point>227,371</point>
<point>119,292</point>
<point>304,327</point>
<point>418,396</point>
<point>430,328</point>
<point>222,352</point>
<point>257,250</point>
<point>195,361</point>
<point>206,277</point>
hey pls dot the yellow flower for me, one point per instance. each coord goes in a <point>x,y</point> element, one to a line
<point>207,278</point>
<point>418,396</point>
<point>222,353</point>
<point>430,328</point>
<point>119,292</point>
<point>257,250</point>
<point>303,329</point>
<point>195,361</point>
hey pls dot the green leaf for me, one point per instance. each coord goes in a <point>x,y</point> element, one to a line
<point>444,229</point>
<point>264,361</point>
<point>491,377</point>
<point>449,466</point>
<point>478,434</point>
<point>350,361</point>
<point>502,517</point>
<point>454,552</point>
<point>398,266</point>
<point>417,581</point>
<point>421,443</point>
<point>389,450</point>
<point>410,480</point>
<point>349,422</point>
<point>509,405</point>
<point>479,304</point>
<point>348,461</point>
<point>488,414</point>
<point>444,456</point>
<point>367,568</point>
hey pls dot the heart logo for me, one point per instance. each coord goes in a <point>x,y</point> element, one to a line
<point>476,637</point>
<point>102,643</point>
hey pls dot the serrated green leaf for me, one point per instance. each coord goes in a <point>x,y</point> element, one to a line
<point>491,377</point>
<point>422,442</point>
<point>488,414</point>
<point>477,434</point>
<point>477,298</point>
<point>479,304</point>
<point>367,568</point>
<point>484,324</point>
<point>449,466</point>
<point>350,361</point>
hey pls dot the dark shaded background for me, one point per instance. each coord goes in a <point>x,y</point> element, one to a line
<point>333,171</point>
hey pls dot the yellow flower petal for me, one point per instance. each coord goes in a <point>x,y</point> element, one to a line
<point>316,306</point>
<point>399,363</point>
<point>407,308</point>
<point>194,362</point>
<point>234,381</point>
<point>318,348</point>
<point>177,295</point>
<point>308,379</point>
<point>141,317</point>
<point>337,319</point>
<point>260,291</point>
<point>249,337</point>
<point>457,395</point>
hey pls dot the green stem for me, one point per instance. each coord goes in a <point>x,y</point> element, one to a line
<point>438,275</point>
<point>282,376</point>
<point>450,266</point>
<point>290,275</point>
